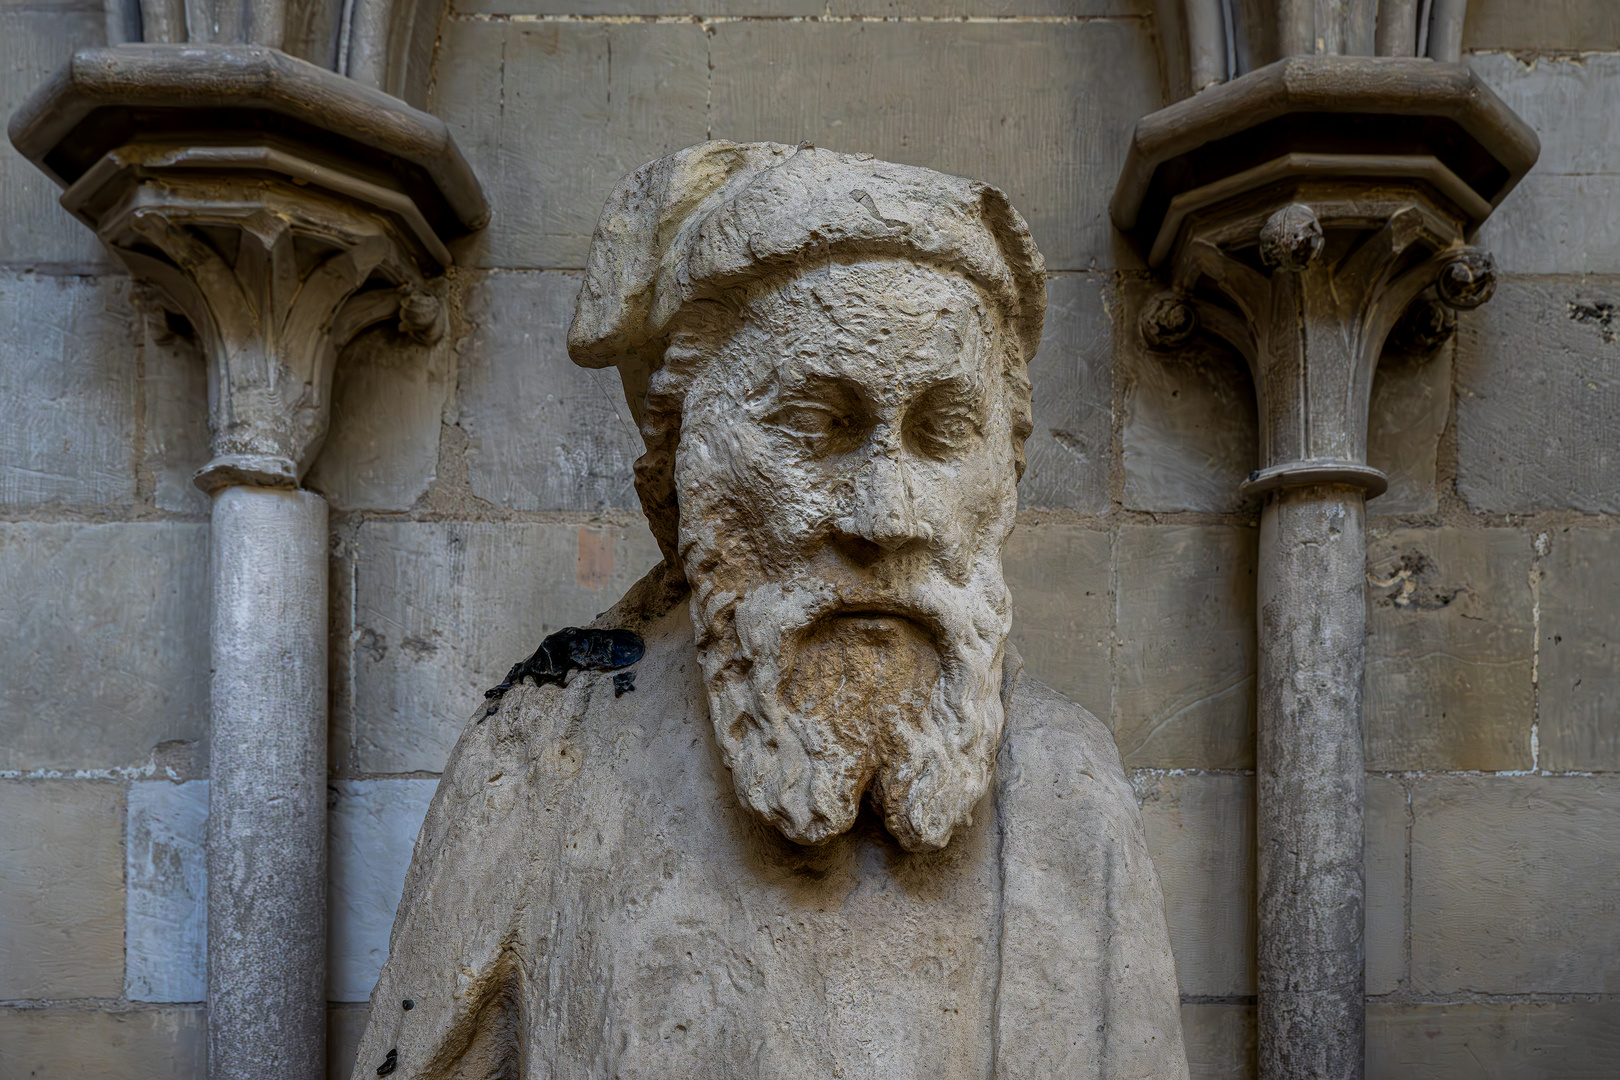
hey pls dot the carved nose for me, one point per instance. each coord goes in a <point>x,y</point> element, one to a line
<point>883,517</point>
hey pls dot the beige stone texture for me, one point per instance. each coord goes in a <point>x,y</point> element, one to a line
<point>1579,676</point>
<point>90,684</point>
<point>1063,608</point>
<point>1220,1041</point>
<point>1385,855</point>
<point>174,402</point>
<point>1560,26</point>
<point>1513,884</point>
<point>1200,829</point>
<point>1068,453</point>
<point>1042,123</point>
<point>443,610</point>
<point>1184,661</point>
<point>1450,633</point>
<point>61,889</point>
<point>69,1044</point>
<point>1411,403</point>
<point>1530,1040</point>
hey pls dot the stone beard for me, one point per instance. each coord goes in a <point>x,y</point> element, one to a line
<point>846,470</point>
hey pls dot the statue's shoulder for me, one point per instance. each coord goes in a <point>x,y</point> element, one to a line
<point>1041,717</point>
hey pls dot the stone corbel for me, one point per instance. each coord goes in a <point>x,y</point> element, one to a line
<point>1301,213</point>
<point>280,209</point>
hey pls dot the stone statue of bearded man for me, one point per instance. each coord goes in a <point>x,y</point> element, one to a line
<point>833,831</point>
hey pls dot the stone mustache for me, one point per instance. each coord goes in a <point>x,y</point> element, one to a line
<point>834,831</point>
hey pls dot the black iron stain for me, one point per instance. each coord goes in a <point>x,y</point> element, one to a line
<point>407,1004</point>
<point>623,683</point>
<point>390,1063</point>
<point>570,648</point>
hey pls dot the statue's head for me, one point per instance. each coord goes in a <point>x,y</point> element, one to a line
<point>826,355</point>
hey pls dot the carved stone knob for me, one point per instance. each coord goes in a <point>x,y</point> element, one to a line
<point>420,315</point>
<point>1424,327</point>
<point>1167,321</point>
<point>1468,280</point>
<point>1291,239</point>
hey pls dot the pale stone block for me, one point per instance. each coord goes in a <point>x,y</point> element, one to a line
<point>1580,652</point>
<point>166,902</point>
<point>1558,221</point>
<point>1221,1041</point>
<point>1514,883</point>
<point>174,396</point>
<point>1538,398</point>
<point>1200,831</point>
<point>344,1028</point>
<point>1411,402</point>
<point>61,889</point>
<point>1062,610</point>
<point>552,114</point>
<point>1554,25</point>
<point>372,830</point>
<point>1539,1040</point>
<point>1048,118</point>
<point>1067,455</point>
<point>542,432</point>
<point>1385,856</point>
<point>67,386</point>
<point>1184,663</point>
<point>68,1044</point>
<point>731,8</point>
<point>388,398</point>
<point>443,610</point>
<point>1450,631</point>
<point>36,39</point>
<point>969,8</point>
<point>106,644</point>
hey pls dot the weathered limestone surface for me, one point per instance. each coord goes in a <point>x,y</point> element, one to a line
<point>372,829</point>
<point>1386,885</point>
<point>1449,638</point>
<point>1538,402</point>
<point>542,432</point>
<point>174,401</point>
<point>1580,652</point>
<point>166,883</point>
<point>1411,402</point>
<point>780,8</point>
<point>1220,1041</point>
<point>139,1044</point>
<point>442,611</point>
<point>1554,25</point>
<point>1557,220</point>
<point>1513,884</point>
<point>61,889</point>
<point>67,386</point>
<point>1068,452</point>
<point>1185,660</point>
<point>1063,608</point>
<point>87,685</point>
<point>1542,1040</point>
<point>345,1025</point>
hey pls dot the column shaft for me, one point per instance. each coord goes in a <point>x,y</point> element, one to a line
<point>267,792</point>
<point>1312,626</point>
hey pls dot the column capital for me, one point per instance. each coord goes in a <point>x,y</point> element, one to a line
<point>278,207</point>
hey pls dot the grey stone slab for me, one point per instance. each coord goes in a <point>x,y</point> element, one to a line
<point>1063,609</point>
<point>372,827</point>
<point>1553,25</point>
<point>1538,398</point>
<point>443,610</point>
<point>1047,119</point>
<point>542,432</point>
<point>106,645</point>
<point>1411,402</point>
<point>166,897</point>
<point>1385,821</point>
<point>69,1044</point>
<point>1450,632</point>
<point>552,114</point>
<point>344,1028</point>
<point>1220,1041</point>
<point>61,889</point>
<point>1559,219</point>
<point>1067,456</point>
<point>388,398</point>
<point>67,387</point>
<point>1542,1040</point>
<point>1003,8</point>
<point>1200,831</point>
<point>1579,675</point>
<point>35,40</point>
<point>174,401</point>
<point>700,8</point>
<point>1514,883</point>
<point>1184,661</point>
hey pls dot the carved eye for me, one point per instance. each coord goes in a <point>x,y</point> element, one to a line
<point>829,422</point>
<point>943,423</point>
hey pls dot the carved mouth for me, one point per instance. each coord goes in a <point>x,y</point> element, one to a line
<point>876,622</point>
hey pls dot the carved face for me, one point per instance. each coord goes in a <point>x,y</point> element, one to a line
<point>846,480</point>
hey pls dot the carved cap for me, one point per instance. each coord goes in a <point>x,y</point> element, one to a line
<point>714,216</point>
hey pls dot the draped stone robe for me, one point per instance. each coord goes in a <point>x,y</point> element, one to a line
<point>588,901</point>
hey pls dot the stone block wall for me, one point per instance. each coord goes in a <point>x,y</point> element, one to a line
<point>482,498</point>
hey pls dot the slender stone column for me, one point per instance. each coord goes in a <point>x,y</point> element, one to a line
<point>267,794</point>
